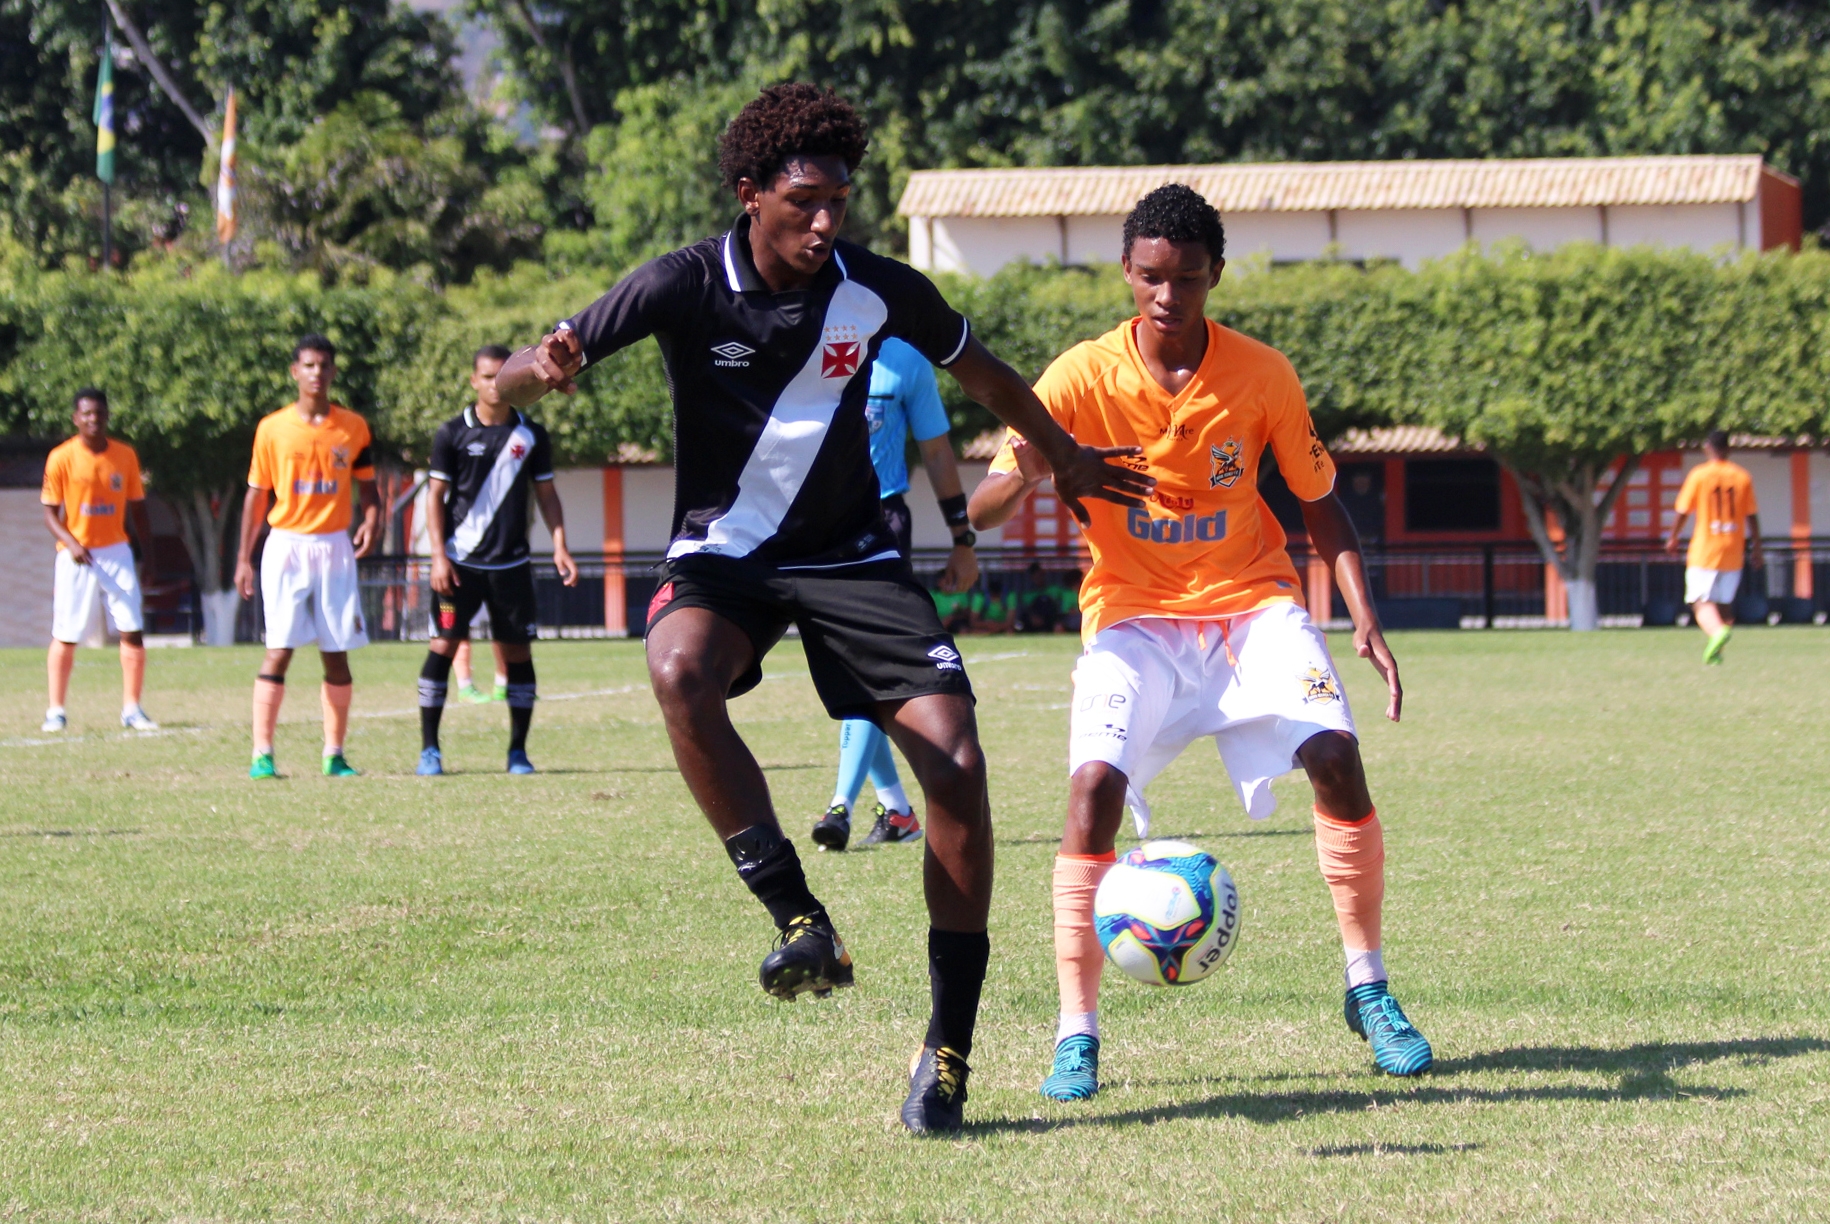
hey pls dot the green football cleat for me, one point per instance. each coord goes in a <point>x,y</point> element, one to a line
<point>473,695</point>
<point>1075,1076</point>
<point>1712,653</point>
<point>336,767</point>
<point>262,767</point>
<point>1397,1046</point>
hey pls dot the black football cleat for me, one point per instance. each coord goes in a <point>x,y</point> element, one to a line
<point>808,956</point>
<point>893,827</point>
<point>936,1103</point>
<point>834,828</point>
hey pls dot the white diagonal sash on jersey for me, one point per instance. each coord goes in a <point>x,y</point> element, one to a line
<point>790,442</point>
<point>494,492</point>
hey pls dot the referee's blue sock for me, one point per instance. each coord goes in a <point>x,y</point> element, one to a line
<point>858,740</point>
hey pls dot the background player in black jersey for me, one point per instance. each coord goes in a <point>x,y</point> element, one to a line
<point>483,463</point>
<point>768,332</point>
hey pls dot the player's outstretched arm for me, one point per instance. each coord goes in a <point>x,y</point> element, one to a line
<point>1677,525</point>
<point>444,578</point>
<point>368,531</point>
<point>937,457</point>
<point>141,522</point>
<point>550,365</point>
<point>1079,471</point>
<point>1332,534</point>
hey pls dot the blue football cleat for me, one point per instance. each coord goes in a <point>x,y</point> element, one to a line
<point>431,764</point>
<point>1397,1046</point>
<point>1076,1073</point>
<point>518,762</point>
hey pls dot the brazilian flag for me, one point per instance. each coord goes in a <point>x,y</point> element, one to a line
<point>104,115</point>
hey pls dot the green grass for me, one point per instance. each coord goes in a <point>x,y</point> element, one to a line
<point>480,997</point>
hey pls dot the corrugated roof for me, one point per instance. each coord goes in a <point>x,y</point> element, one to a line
<point>1397,440</point>
<point>1552,182</point>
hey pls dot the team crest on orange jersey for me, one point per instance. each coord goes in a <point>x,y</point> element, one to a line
<point>114,481</point>
<point>1319,685</point>
<point>1224,466</point>
<point>339,456</point>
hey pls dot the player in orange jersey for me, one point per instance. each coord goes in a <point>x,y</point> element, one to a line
<point>305,457</point>
<point>1728,534</point>
<point>91,492</point>
<point>1191,613</point>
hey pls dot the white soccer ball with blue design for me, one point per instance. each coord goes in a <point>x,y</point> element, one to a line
<point>1167,913</point>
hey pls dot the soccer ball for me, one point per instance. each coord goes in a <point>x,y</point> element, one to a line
<point>1167,913</point>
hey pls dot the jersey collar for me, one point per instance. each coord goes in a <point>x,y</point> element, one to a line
<point>740,266</point>
<point>473,421</point>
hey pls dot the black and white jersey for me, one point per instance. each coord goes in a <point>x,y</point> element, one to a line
<point>771,448</point>
<point>490,469</point>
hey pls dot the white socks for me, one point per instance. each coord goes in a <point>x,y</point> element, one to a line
<point>1364,967</point>
<point>893,798</point>
<point>1075,1024</point>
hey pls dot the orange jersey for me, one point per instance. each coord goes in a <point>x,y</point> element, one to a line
<point>93,490</point>
<point>1206,546</point>
<point>1722,494</point>
<point>309,468</point>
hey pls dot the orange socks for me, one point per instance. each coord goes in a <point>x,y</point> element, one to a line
<point>336,716</point>
<point>1078,956</point>
<point>1352,858</point>
<point>269,691</point>
<point>133,675</point>
<point>58,666</point>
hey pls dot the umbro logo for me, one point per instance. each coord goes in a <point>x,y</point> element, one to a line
<point>731,353</point>
<point>945,658</point>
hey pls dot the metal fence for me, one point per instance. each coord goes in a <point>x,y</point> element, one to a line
<point>1482,586</point>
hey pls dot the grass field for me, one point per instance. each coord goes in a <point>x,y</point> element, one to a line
<point>479,997</point>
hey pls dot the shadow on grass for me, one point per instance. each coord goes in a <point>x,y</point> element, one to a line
<point>1394,1149</point>
<point>70,833</point>
<point>1049,839</point>
<point>1644,1071</point>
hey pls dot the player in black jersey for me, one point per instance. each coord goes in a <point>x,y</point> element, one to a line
<point>768,333</point>
<point>483,464</point>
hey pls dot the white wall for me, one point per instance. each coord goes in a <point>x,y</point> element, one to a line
<point>1409,235</point>
<point>1542,229</point>
<point>1093,240</point>
<point>648,508</point>
<point>1701,227</point>
<point>982,245</point>
<point>26,557</point>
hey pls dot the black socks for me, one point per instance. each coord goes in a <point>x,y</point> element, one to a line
<point>767,863</point>
<point>433,676</point>
<point>956,974</point>
<point>520,703</point>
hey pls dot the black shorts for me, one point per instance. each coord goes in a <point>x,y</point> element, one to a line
<point>514,614</point>
<point>901,522</point>
<point>870,631</point>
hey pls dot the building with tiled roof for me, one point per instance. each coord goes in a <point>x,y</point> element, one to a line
<point>978,220</point>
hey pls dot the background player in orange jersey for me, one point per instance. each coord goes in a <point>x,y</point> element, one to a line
<point>1191,616</point>
<point>1728,527</point>
<point>305,457</point>
<point>91,492</point>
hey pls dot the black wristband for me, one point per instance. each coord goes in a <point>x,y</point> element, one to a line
<point>953,509</point>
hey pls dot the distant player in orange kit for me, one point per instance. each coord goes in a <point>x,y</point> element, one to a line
<point>306,456</point>
<point>92,492</point>
<point>1727,535</point>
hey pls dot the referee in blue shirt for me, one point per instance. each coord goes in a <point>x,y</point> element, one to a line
<point>903,400</point>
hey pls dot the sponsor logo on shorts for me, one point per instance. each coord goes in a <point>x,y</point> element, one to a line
<point>732,354</point>
<point>1319,686</point>
<point>447,615</point>
<point>1188,529</point>
<point>945,658</point>
<point>661,599</point>
<point>1224,466</point>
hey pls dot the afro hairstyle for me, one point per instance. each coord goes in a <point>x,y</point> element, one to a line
<point>1178,213</point>
<point>788,120</point>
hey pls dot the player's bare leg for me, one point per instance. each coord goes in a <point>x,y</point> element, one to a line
<point>60,661</point>
<point>1350,847</point>
<point>270,691</point>
<point>939,736</point>
<point>694,656</point>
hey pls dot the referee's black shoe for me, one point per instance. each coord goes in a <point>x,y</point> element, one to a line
<point>808,955</point>
<point>937,1092</point>
<point>833,829</point>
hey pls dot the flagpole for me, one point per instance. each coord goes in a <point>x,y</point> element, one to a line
<point>104,136</point>
<point>107,226</point>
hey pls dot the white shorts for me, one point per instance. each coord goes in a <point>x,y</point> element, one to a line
<point>1710,586</point>
<point>1261,685</point>
<point>309,592</point>
<point>110,574</point>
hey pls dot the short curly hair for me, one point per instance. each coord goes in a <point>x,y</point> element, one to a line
<point>1178,213</point>
<point>786,120</point>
